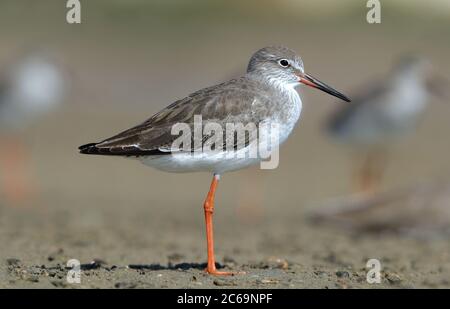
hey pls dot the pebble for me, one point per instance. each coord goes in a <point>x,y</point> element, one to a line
<point>393,278</point>
<point>342,274</point>
<point>223,282</point>
<point>125,285</point>
<point>13,262</point>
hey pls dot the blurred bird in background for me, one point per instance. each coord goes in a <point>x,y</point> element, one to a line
<point>29,89</point>
<point>387,110</point>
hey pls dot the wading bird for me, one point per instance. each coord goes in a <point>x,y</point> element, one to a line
<point>266,93</point>
<point>385,112</point>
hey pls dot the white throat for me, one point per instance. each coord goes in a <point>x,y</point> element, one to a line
<point>291,104</point>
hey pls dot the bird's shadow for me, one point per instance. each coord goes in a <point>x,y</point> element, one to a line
<point>171,266</point>
<point>140,267</point>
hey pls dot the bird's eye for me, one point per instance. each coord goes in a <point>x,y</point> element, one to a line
<point>284,63</point>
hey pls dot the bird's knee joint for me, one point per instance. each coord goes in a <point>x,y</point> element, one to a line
<point>208,207</point>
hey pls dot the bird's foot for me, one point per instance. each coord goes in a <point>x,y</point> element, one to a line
<point>213,271</point>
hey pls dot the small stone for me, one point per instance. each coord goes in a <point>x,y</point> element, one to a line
<point>125,285</point>
<point>393,278</point>
<point>274,263</point>
<point>320,273</point>
<point>223,282</point>
<point>13,262</point>
<point>341,284</point>
<point>33,279</point>
<point>342,274</point>
<point>59,284</point>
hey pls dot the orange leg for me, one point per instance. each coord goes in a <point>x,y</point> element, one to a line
<point>209,210</point>
<point>367,183</point>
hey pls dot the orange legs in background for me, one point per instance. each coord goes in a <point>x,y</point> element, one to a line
<point>370,175</point>
<point>209,210</point>
<point>14,172</point>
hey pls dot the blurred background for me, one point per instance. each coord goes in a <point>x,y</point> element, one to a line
<point>128,59</point>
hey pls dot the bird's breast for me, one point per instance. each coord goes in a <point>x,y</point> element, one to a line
<point>288,110</point>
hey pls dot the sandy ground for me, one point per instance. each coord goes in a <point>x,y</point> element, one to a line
<point>157,245</point>
<point>130,226</point>
<point>134,227</point>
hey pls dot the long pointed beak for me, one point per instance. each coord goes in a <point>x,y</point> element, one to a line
<point>315,83</point>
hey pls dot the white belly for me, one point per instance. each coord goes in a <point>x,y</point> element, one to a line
<point>186,162</point>
<point>217,161</point>
<point>221,162</point>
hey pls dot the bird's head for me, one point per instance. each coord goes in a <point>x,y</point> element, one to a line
<point>282,66</point>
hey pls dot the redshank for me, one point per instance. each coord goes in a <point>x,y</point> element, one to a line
<point>30,88</point>
<point>266,93</point>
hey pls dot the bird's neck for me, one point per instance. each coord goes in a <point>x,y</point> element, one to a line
<point>275,85</point>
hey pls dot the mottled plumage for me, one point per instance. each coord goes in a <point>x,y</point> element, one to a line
<point>239,100</point>
<point>264,94</point>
